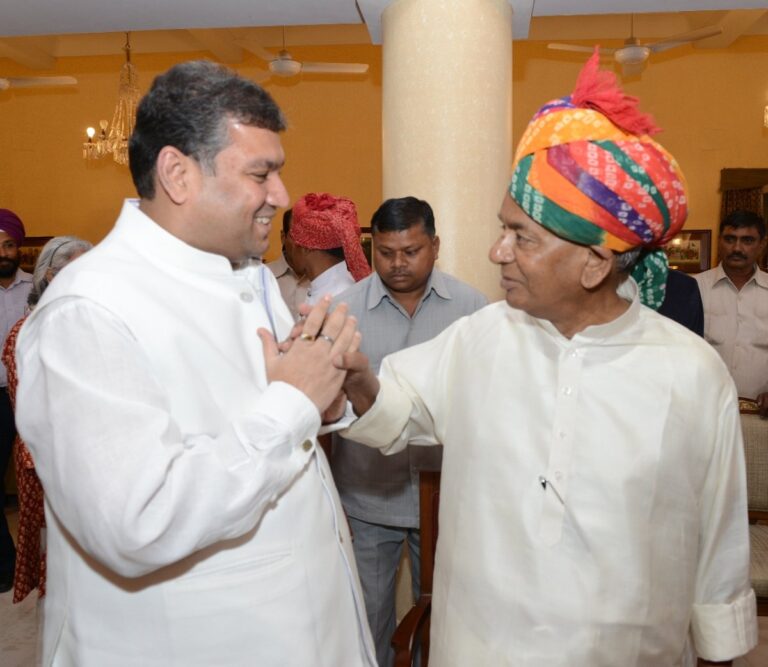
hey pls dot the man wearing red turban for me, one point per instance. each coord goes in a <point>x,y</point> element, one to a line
<point>327,236</point>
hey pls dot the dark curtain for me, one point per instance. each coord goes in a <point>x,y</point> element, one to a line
<point>742,189</point>
<point>745,200</point>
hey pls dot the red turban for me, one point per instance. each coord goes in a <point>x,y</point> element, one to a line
<point>322,222</point>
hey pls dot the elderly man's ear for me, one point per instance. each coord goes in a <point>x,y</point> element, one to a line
<point>597,268</point>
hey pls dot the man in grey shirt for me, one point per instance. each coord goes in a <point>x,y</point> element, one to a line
<point>404,302</point>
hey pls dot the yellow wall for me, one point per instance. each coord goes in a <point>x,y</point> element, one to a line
<point>333,141</point>
<point>709,103</point>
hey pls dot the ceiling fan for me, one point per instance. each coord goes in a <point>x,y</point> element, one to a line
<point>36,81</point>
<point>282,64</point>
<point>633,55</point>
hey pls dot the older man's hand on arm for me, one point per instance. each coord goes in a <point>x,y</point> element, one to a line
<point>361,384</point>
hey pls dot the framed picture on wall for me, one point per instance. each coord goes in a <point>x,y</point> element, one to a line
<point>690,250</point>
<point>29,251</point>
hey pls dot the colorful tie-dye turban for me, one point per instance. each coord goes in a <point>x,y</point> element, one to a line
<point>322,222</point>
<point>587,170</point>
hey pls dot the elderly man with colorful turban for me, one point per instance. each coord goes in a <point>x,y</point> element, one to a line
<point>593,505</point>
<point>326,235</point>
<point>15,285</point>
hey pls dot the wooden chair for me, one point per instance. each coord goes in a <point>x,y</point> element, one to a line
<point>413,631</point>
<point>755,432</point>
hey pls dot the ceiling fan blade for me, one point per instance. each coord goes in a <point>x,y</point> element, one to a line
<point>40,81</point>
<point>684,38</point>
<point>577,48</point>
<point>257,50</point>
<point>632,69</point>
<point>334,68</point>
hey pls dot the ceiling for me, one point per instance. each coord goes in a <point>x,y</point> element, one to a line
<point>34,33</point>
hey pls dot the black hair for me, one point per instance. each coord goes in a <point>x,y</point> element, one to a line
<point>742,218</point>
<point>397,215</point>
<point>187,107</point>
<point>287,219</point>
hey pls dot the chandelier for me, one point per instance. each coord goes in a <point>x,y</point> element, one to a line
<point>113,139</point>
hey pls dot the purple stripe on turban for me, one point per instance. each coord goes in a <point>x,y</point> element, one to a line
<point>562,103</point>
<point>560,159</point>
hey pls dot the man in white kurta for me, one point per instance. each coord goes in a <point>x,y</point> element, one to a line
<point>593,503</point>
<point>192,520</point>
<point>641,531</point>
<point>326,241</point>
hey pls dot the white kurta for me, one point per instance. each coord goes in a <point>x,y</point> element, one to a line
<point>736,324</point>
<point>192,519</point>
<point>638,539</point>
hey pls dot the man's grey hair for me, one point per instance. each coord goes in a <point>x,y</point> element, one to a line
<point>626,260</point>
<point>54,256</point>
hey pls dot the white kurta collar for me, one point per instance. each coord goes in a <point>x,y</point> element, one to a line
<point>598,332</point>
<point>138,229</point>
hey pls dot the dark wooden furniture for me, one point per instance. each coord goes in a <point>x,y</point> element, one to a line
<point>412,635</point>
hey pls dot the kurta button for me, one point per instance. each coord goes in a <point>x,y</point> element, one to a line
<point>306,445</point>
<point>567,391</point>
<point>247,297</point>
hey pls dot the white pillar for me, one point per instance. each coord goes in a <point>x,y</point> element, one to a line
<point>447,117</point>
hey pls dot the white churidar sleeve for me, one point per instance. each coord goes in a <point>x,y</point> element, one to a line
<point>723,620</point>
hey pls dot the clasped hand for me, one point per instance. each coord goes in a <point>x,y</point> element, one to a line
<point>312,358</point>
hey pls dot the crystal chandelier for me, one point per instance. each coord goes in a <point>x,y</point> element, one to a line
<point>113,139</point>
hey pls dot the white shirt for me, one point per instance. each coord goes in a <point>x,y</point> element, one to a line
<point>332,281</point>
<point>640,535</point>
<point>736,324</point>
<point>192,520</point>
<point>293,290</point>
